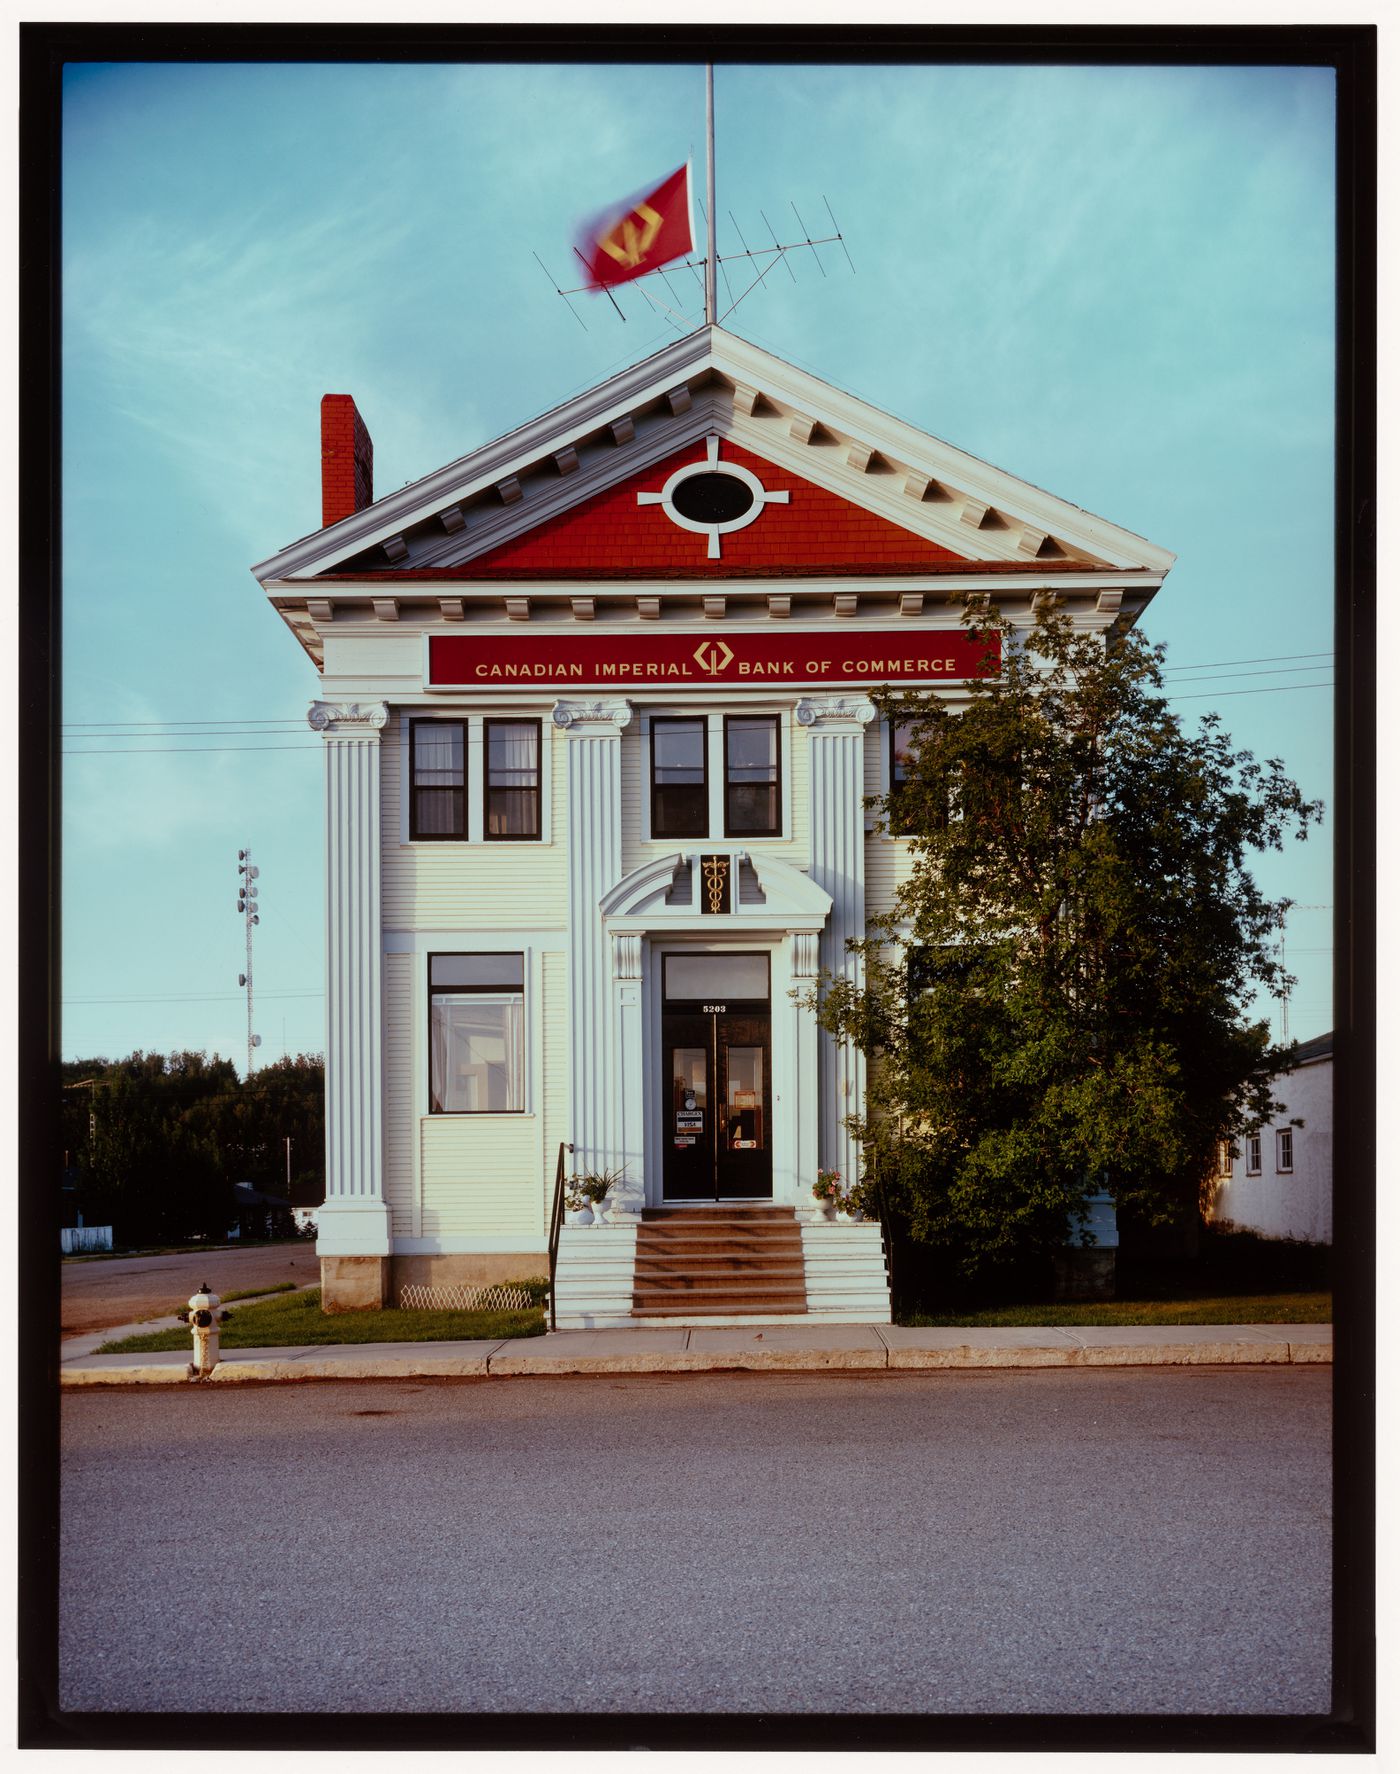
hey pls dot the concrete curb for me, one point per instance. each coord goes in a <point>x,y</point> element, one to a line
<point>700,1349</point>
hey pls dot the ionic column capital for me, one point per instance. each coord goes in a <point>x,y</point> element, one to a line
<point>348,720</point>
<point>579,719</point>
<point>835,714</point>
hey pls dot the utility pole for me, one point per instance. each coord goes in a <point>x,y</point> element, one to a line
<point>248,906</point>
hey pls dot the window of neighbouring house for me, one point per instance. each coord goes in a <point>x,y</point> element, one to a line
<point>438,803</point>
<point>476,1034</point>
<point>1253,1155</point>
<point>679,784</point>
<point>752,788</point>
<point>1285,1149</point>
<point>512,757</point>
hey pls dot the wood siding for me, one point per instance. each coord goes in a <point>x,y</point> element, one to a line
<point>461,886</point>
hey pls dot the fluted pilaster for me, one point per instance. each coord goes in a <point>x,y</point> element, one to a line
<point>594,815</point>
<point>836,727</point>
<point>355,1219</point>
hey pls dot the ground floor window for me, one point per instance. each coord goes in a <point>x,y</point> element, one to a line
<point>1253,1155</point>
<point>1285,1148</point>
<point>476,1034</point>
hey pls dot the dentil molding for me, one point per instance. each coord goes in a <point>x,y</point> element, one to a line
<point>331,717</point>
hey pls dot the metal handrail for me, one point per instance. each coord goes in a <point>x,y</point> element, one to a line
<point>556,1221</point>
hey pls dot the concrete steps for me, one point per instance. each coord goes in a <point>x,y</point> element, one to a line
<point>725,1266</point>
<point>704,1262</point>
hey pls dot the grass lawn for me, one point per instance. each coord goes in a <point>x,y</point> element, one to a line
<point>1294,1308</point>
<point>248,1293</point>
<point>179,1250</point>
<point>298,1319</point>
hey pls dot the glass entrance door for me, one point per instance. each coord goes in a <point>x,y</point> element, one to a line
<point>717,1108</point>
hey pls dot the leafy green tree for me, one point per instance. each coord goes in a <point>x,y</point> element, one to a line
<point>282,1100</point>
<point>1057,1003</point>
<point>146,1168</point>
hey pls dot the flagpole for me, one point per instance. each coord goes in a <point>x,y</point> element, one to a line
<point>710,193</point>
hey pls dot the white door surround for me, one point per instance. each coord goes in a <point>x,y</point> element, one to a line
<point>642,926</point>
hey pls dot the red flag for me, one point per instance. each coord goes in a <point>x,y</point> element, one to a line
<point>630,239</point>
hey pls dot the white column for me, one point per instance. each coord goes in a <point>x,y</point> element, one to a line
<point>836,747</point>
<point>628,1197</point>
<point>594,815</point>
<point>354,1222</point>
<point>804,946</point>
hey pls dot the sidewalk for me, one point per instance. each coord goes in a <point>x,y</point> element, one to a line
<point>696,1349</point>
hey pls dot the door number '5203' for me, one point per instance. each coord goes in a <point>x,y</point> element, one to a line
<point>709,1008</point>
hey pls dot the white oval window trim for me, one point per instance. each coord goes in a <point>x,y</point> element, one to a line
<point>711,464</point>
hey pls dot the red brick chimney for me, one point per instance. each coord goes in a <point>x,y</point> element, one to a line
<point>347,460</point>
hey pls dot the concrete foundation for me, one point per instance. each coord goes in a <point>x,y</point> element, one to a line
<point>354,1284</point>
<point>465,1270</point>
<point>1087,1274</point>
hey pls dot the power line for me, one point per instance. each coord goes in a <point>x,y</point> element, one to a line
<point>188,997</point>
<point>190,721</point>
<point>139,751</point>
<point>1228,677</point>
<point>1266,659</point>
<point>1276,690</point>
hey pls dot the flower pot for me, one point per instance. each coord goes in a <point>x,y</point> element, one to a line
<point>843,1217</point>
<point>824,1212</point>
<point>579,1216</point>
<point>600,1213</point>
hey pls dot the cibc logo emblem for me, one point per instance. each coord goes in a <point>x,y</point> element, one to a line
<point>713,656</point>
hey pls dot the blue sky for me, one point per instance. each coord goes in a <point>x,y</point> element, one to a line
<point>1116,284</point>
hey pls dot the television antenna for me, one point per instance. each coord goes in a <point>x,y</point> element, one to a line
<point>708,270</point>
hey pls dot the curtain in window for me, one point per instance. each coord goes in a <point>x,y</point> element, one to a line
<point>437,777</point>
<point>512,766</point>
<point>477,1053</point>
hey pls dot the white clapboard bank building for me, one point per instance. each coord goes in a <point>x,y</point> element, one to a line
<point>598,742</point>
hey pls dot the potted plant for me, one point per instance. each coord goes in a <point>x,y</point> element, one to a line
<point>827,1193</point>
<point>578,1210</point>
<point>593,1186</point>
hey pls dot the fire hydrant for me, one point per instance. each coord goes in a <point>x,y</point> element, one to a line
<point>203,1315</point>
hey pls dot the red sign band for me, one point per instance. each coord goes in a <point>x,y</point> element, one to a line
<point>829,656</point>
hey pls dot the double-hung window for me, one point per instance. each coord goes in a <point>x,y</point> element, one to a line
<point>752,783</point>
<point>680,796</point>
<point>1253,1154</point>
<point>1225,1159</point>
<point>512,799</point>
<point>716,774</point>
<point>901,768</point>
<point>438,791</point>
<point>476,1034</point>
<point>1285,1149</point>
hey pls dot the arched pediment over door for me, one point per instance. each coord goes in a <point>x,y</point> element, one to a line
<point>771,905</point>
<point>673,893</point>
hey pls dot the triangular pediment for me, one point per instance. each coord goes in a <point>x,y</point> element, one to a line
<point>559,498</point>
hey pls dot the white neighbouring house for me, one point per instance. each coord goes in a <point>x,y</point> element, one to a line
<point>1277,1179</point>
<point>598,734</point>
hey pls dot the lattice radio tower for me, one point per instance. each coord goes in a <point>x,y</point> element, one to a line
<point>248,906</point>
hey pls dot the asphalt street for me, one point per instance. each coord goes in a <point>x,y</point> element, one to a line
<point>122,1290</point>
<point>1150,1540</point>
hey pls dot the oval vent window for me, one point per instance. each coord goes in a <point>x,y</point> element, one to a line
<point>712,498</point>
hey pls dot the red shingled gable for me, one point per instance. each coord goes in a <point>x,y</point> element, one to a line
<point>614,537</point>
